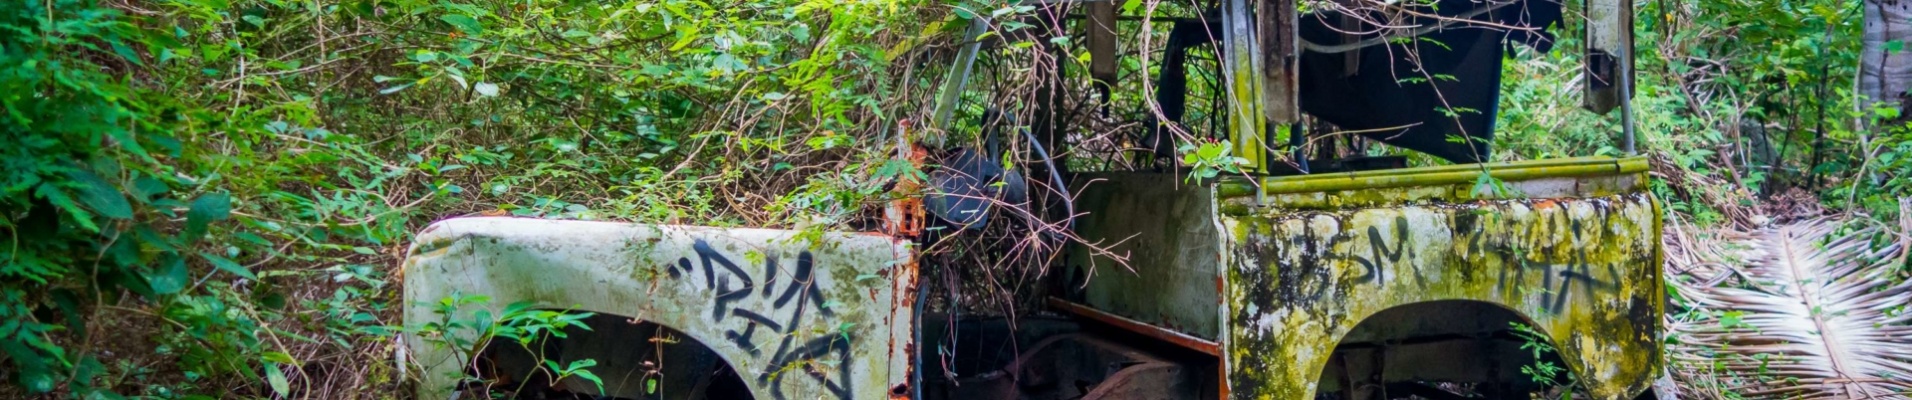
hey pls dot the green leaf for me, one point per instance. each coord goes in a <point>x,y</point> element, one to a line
<point>279,357</point>
<point>1894,46</point>
<point>59,199</point>
<point>1733,319</point>
<point>34,373</point>
<point>206,209</point>
<point>276,378</point>
<point>227,265</point>
<point>170,277</point>
<point>101,196</point>
<point>147,187</point>
<point>587,375</point>
<point>685,36</point>
<point>464,23</point>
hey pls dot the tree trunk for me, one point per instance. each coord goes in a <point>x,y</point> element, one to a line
<point>1885,69</point>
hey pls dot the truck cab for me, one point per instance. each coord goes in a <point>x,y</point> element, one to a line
<point>1289,276</point>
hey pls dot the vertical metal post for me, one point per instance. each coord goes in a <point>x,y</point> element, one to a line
<point>1626,102</point>
<point>1281,60</point>
<point>959,76</point>
<point>1609,55</point>
<point>1242,73</point>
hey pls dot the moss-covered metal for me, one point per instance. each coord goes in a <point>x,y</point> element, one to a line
<point>1577,256</point>
<point>1568,177</point>
<point>799,316</point>
<point>1570,246</point>
<point>1584,271</point>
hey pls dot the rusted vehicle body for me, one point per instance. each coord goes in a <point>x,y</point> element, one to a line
<point>1336,283</point>
<point>1434,282</point>
<point>1348,282</point>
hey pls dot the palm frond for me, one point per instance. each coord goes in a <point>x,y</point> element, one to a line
<point>1804,315</point>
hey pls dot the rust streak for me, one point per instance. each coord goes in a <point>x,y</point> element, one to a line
<point>1152,331</point>
<point>1222,380</point>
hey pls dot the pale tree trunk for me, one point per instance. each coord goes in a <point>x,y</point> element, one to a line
<point>1885,66</point>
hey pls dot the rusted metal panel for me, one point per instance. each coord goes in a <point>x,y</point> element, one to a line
<point>1570,245</point>
<point>1609,53</point>
<point>1151,331</point>
<point>1102,42</point>
<point>1584,270</point>
<point>1242,71</point>
<point>800,316</point>
<point>904,217</point>
<point>1169,232</point>
<point>1281,60</point>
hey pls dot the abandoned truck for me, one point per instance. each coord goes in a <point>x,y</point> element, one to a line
<point>1307,276</point>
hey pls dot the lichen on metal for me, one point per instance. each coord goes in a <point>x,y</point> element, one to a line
<point>1571,248</point>
<point>1440,178</point>
<point>1585,271</point>
<point>799,316</point>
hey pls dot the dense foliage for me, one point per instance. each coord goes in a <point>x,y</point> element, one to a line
<point>209,198</point>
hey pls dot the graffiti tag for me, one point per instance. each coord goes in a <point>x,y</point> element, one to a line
<point>799,295</point>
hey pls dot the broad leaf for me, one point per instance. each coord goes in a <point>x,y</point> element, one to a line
<point>227,265</point>
<point>101,196</point>
<point>169,277</point>
<point>276,378</point>
<point>205,210</point>
<point>464,23</point>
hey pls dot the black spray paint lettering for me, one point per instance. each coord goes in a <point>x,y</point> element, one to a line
<point>1575,274</point>
<point>800,292</point>
<point>1302,260</point>
<point>1380,257</point>
<point>1308,278</point>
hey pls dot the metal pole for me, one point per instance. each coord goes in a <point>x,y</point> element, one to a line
<point>1242,73</point>
<point>959,76</point>
<point>1627,143</point>
<point>1626,101</point>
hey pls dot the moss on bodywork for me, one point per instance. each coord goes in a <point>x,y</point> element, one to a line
<point>1559,178</point>
<point>1582,267</point>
